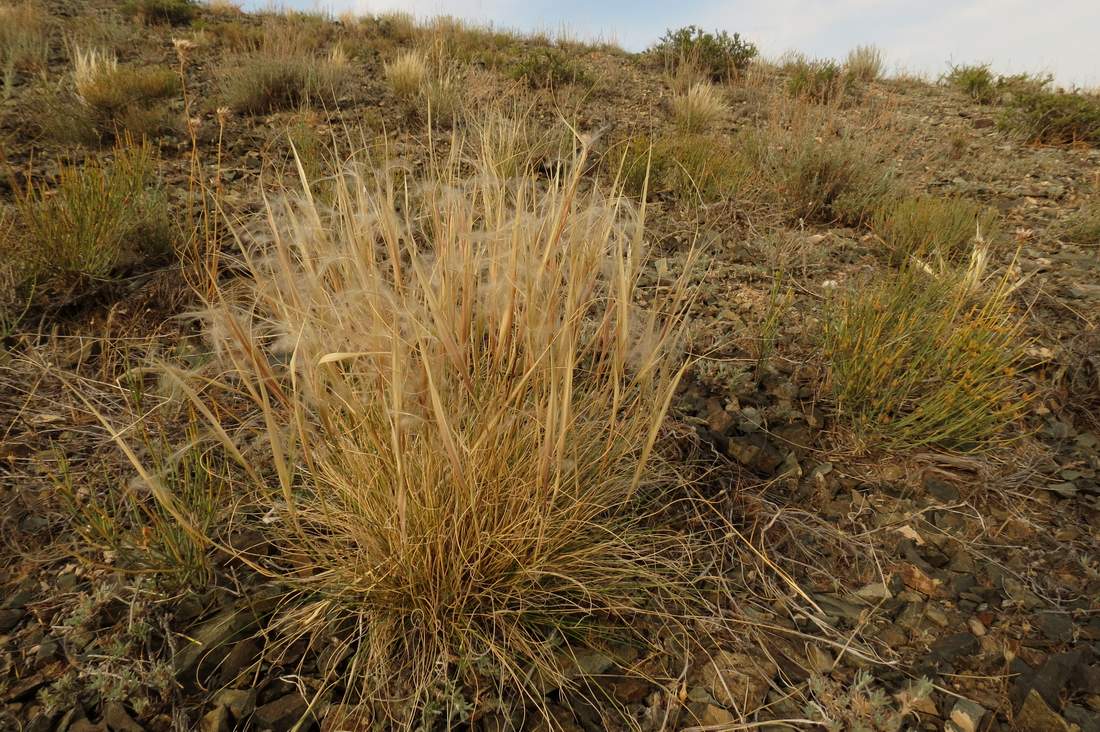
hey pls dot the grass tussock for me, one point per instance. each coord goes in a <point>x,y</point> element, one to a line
<point>108,101</point>
<point>24,41</point>
<point>406,74</point>
<point>817,80</point>
<point>96,220</point>
<point>926,227</point>
<point>685,167</point>
<point>865,63</point>
<point>919,361</point>
<point>284,72</point>
<point>700,109</point>
<point>1083,225</point>
<point>460,468</point>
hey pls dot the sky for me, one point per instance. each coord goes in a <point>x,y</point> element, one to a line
<point>1057,36</point>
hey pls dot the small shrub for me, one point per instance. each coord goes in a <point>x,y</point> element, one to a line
<point>24,41</point>
<point>406,74</point>
<point>98,219</point>
<point>821,178</point>
<point>944,228</point>
<point>1054,118</point>
<point>173,12</point>
<point>864,63</point>
<point>975,81</point>
<point>549,67</point>
<point>820,80</point>
<point>919,361</point>
<point>700,109</point>
<point>688,167</point>
<point>719,54</point>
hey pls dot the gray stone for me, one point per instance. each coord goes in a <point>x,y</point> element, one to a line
<point>967,715</point>
<point>114,714</point>
<point>1055,626</point>
<point>282,714</point>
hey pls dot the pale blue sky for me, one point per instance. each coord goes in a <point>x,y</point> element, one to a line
<point>1061,36</point>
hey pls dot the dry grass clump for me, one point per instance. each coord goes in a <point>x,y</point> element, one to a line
<point>457,408</point>
<point>941,228</point>
<point>406,73</point>
<point>284,72</point>
<point>864,63</point>
<point>24,41</point>
<point>1055,118</point>
<point>699,109</point>
<point>97,219</point>
<point>1083,225</point>
<point>918,361</point>
<point>687,167</point>
<point>111,101</point>
<point>817,80</point>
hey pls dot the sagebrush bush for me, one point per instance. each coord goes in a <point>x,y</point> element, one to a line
<point>926,226</point>
<point>821,178</point>
<point>819,80</point>
<point>549,67</point>
<point>700,109</point>
<point>1083,225</point>
<point>406,74</point>
<point>97,219</point>
<point>975,80</point>
<point>24,41</point>
<point>462,457</point>
<point>688,167</point>
<point>1054,117</point>
<point>864,63</point>
<point>173,12</point>
<point>918,361</point>
<point>718,54</point>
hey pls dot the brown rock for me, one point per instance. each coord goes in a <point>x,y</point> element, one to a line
<point>282,714</point>
<point>1036,716</point>
<point>738,680</point>
<point>114,714</point>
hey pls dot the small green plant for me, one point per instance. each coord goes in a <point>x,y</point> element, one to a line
<point>819,80</point>
<point>549,67</point>
<point>943,228</point>
<point>974,80</point>
<point>779,301</point>
<point>688,167</point>
<point>918,360</point>
<point>718,54</point>
<point>1054,117</point>
<point>97,219</point>
<point>862,706</point>
<point>699,109</point>
<point>864,63</point>
<point>173,12</point>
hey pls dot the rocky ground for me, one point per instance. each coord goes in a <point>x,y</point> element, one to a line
<point>961,591</point>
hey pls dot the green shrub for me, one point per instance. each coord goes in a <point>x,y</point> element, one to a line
<point>1054,117</point>
<point>687,167</point>
<point>926,226</point>
<point>821,179</point>
<point>98,219</point>
<point>718,54</point>
<point>549,67</point>
<point>819,80</point>
<point>974,80</point>
<point>918,361</point>
<point>174,12</point>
